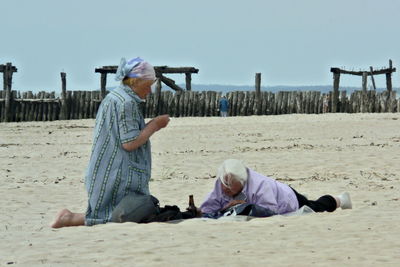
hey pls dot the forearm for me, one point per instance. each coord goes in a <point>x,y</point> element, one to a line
<point>142,138</point>
<point>150,121</point>
<point>233,203</point>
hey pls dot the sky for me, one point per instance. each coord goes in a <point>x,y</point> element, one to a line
<point>290,42</point>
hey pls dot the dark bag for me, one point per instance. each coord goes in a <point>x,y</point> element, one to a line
<point>144,209</point>
<point>135,208</point>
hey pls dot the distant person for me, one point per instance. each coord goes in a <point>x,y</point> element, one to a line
<point>237,184</point>
<point>223,106</point>
<point>120,163</point>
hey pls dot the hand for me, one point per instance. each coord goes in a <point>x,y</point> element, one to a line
<point>196,212</point>
<point>233,203</point>
<point>161,121</point>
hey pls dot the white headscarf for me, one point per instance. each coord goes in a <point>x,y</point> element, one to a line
<point>135,68</point>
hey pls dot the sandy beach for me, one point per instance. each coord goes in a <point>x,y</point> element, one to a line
<point>43,166</point>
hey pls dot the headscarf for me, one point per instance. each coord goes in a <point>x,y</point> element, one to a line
<point>135,68</point>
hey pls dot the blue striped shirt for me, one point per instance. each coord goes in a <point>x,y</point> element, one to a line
<point>114,172</point>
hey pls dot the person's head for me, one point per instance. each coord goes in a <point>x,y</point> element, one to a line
<point>233,175</point>
<point>138,74</point>
<point>140,86</point>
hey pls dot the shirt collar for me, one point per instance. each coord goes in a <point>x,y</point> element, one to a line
<point>131,93</point>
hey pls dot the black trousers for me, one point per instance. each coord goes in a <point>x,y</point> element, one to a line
<point>324,203</point>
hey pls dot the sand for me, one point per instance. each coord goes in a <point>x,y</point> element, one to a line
<point>43,165</point>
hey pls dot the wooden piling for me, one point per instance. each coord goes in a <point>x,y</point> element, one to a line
<point>335,92</point>
<point>234,103</point>
<point>103,84</point>
<point>364,81</point>
<point>188,78</point>
<point>213,104</point>
<point>263,108</point>
<point>389,81</point>
<point>64,110</point>
<point>343,102</point>
<point>7,87</point>
<point>258,100</point>
<point>372,77</point>
<point>182,103</point>
<point>29,111</point>
<point>240,102</point>
<point>392,101</point>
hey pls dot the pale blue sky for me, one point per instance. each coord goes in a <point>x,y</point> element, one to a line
<point>291,42</point>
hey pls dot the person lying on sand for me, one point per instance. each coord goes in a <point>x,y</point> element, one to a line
<point>238,184</point>
<point>120,163</point>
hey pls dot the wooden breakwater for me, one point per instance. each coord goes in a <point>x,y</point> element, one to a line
<point>45,106</point>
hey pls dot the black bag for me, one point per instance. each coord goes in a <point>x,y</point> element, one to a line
<point>135,208</point>
<point>144,209</point>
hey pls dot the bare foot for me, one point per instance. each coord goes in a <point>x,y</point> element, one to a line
<point>67,218</point>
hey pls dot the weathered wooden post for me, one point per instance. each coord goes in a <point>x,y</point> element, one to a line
<point>6,94</point>
<point>372,77</point>
<point>7,78</point>
<point>364,98</point>
<point>63,115</point>
<point>158,86</point>
<point>389,77</point>
<point>343,103</point>
<point>258,93</point>
<point>188,81</point>
<point>157,97</point>
<point>103,84</point>
<point>364,81</point>
<point>335,93</point>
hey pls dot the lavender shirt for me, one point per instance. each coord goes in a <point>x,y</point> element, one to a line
<point>259,189</point>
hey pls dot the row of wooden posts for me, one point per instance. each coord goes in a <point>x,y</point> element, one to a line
<point>337,72</point>
<point>45,106</point>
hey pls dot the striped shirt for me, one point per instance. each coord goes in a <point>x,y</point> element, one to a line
<point>114,172</point>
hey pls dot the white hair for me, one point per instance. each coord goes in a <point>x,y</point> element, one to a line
<point>232,169</point>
